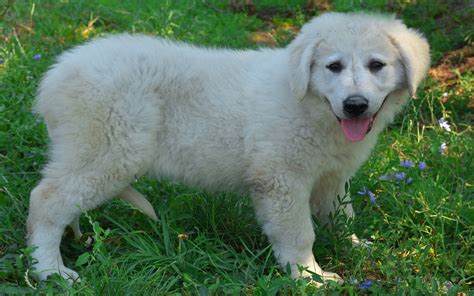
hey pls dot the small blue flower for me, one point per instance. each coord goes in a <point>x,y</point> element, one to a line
<point>365,285</point>
<point>400,176</point>
<point>449,285</point>
<point>388,177</point>
<point>407,163</point>
<point>409,180</point>
<point>2,61</point>
<point>422,165</point>
<point>371,196</point>
<point>362,192</point>
<point>444,124</point>
<point>37,57</point>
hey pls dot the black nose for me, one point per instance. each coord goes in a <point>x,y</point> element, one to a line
<point>355,105</point>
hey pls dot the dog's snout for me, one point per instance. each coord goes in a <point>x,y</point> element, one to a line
<point>355,105</point>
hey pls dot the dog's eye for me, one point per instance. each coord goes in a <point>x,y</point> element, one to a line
<point>376,66</point>
<point>335,67</point>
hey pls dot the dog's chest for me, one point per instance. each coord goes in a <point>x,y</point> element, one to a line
<point>328,150</point>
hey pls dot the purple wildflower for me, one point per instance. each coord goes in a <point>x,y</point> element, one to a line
<point>37,57</point>
<point>422,165</point>
<point>2,61</point>
<point>362,192</point>
<point>409,180</point>
<point>443,148</point>
<point>448,285</point>
<point>365,285</point>
<point>368,193</point>
<point>407,163</point>
<point>444,124</point>
<point>371,196</point>
<point>400,176</point>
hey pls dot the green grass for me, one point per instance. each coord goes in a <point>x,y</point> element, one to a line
<point>210,244</point>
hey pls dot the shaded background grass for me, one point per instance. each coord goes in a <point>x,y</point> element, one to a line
<point>210,243</point>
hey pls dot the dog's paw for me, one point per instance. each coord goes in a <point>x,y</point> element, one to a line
<point>331,276</point>
<point>327,277</point>
<point>68,274</point>
<point>357,242</point>
<point>88,241</point>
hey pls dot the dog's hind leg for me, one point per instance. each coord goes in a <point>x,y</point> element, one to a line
<point>49,213</point>
<point>56,202</point>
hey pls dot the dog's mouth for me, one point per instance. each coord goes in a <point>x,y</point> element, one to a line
<point>355,129</point>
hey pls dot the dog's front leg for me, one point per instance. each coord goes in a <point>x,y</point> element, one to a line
<point>282,208</point>
<point>328,195</point>
<point>349,212</point>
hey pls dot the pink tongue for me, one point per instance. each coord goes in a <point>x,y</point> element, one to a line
<point>356,129</point>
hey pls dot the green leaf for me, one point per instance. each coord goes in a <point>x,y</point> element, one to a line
<point>83,259</point>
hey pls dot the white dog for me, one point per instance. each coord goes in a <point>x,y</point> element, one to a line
<point>288,127</point>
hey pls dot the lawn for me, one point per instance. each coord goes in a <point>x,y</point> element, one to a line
<point>421,174</point>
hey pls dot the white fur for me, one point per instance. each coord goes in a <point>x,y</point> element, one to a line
<point>261,122</point>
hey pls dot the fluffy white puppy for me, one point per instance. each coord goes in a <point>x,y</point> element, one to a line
<point>288,127</point>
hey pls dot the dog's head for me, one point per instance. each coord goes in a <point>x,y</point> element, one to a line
<point>363,65</point>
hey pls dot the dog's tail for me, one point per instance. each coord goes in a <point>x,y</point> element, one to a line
<point>137,199</point>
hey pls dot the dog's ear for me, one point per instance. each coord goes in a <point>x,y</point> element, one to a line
<point>414,53</point>
<point>301,53</point>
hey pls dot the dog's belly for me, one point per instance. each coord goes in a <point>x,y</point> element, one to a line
<point>209,175</point>
<point>201,147</point>
<point>198,166</point>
